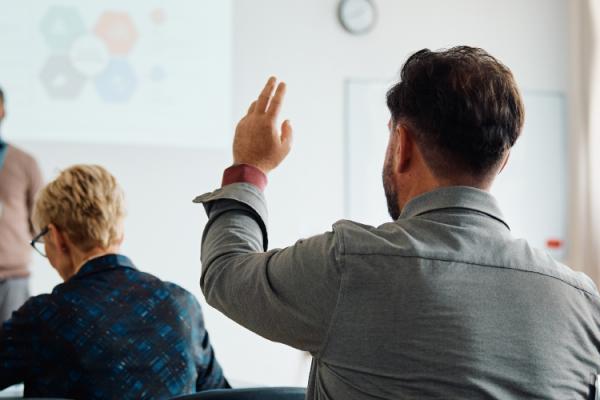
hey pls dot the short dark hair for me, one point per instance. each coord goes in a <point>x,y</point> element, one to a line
<point>463,107</point>
<point>1,95</point>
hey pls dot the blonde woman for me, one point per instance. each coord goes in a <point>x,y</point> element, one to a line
<point>109,331</point>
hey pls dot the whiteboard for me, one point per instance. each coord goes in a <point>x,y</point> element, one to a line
<point>532,190</point>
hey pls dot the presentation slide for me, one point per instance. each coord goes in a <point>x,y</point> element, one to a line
<point>122,72</point>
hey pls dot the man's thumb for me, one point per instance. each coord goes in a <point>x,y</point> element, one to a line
<point>286,133</point>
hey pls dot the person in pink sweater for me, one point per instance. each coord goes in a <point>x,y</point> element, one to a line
<point>20,179</point>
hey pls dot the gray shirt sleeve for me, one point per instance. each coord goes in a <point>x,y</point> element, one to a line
<point>286,295</point>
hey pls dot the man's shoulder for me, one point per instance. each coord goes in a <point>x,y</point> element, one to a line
<point>20,155</point>
<point>542,263</point>
<point>358,238</point>
<point>415,238</point>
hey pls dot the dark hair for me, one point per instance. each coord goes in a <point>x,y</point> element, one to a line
<point>1,95</point>
<point>463,107</point>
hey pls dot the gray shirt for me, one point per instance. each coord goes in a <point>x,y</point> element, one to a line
<point>442,303</point>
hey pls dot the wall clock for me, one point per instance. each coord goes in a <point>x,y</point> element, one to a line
<point>357,16</point>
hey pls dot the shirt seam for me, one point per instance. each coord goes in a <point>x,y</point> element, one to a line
<point>341,264</point>
<point>480,265</point>
<point>489,214</point>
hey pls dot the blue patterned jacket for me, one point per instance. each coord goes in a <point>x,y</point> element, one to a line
<point>109,332</point>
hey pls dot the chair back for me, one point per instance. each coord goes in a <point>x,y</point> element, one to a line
<point>272,393</point>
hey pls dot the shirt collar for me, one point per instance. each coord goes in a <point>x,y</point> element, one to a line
<point>106,262</point>
<point>464,197</point>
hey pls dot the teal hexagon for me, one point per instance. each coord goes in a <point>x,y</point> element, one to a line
<point>60,79</point>
<point>61,26</point>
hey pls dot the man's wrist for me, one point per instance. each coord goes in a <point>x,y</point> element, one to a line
<point>245,173</point>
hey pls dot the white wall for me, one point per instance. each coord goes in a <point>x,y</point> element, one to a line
<point>301,42</point>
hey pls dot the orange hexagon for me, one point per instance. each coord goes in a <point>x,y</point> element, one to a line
<point>117,30</point>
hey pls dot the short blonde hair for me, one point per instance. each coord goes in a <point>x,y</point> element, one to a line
<point>86,203</point>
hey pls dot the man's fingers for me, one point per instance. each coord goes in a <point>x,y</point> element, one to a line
<point>286,134</point>
<point>275,104</point>
<point>252,107</point>
<point>265,95</point>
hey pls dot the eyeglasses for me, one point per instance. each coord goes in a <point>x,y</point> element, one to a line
<point>38,242</point>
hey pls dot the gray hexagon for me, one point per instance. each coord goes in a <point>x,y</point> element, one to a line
<point>61,26</point>
<point>60,79</point>
<point>118,82</point>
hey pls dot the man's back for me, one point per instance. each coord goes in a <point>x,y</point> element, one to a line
<point>442,303</point>
<point>110,331</point>
<point>445,303</point>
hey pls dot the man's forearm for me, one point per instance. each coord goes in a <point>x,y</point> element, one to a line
<point>233,261</point>
<point>244,230</point>
<point>286,295</point>
<point>232,231</point>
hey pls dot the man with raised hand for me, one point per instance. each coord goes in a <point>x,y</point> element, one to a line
<point>443,302</point>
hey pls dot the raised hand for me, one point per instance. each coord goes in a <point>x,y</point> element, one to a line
<point>258,141</point>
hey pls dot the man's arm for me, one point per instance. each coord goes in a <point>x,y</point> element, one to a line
<point>286,295</point>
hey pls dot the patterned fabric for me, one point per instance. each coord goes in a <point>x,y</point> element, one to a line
<point>109,332</point>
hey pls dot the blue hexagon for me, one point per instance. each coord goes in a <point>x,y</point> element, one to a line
<point>61,26</point>
<point>60,79</point>
<point>118,81</point>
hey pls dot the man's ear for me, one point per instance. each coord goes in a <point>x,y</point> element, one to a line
<point>58,238</point>
<point>405,148</point>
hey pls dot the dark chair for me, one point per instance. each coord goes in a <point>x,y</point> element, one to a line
<point>273,393</point>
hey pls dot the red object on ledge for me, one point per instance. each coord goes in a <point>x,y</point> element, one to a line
<point>554,243</point>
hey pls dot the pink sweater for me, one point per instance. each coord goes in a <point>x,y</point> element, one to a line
<point>20,180</point>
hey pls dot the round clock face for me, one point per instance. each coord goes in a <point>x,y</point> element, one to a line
<point>357,16</point>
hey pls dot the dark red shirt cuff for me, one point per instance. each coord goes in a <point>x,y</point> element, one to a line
<point>245,173</point>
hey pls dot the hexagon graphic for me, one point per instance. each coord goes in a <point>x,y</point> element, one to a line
<point>158,73</point>
<point>60,79</point>
<point>117,83</point>
<point>61,26</point>
<point>118,32</point>
<point>158,16</point>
